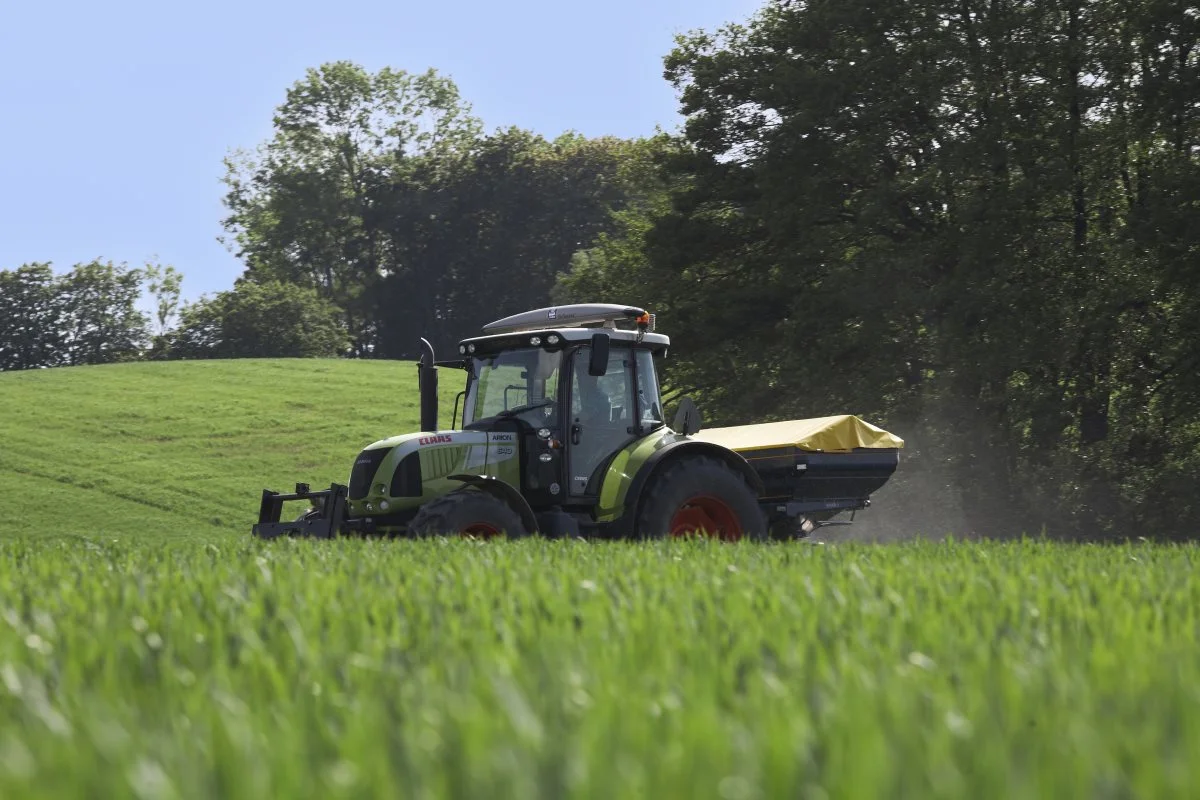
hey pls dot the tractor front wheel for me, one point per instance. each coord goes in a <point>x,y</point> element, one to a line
<point>700,497</point>
<point>467,512</point>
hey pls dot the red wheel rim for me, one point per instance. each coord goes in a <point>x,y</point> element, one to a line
<point>706,515</point>
<point>481,530</point>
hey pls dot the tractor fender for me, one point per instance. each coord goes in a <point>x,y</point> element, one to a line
<point>504,492</point>
<point>670,453</point>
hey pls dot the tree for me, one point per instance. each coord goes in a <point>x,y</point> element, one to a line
<point>486,232</point>
<point>31,325</point>
<point>381,191</point>
<point>165,286</point>
<point>306,208</point>
<point>100,317</point>
<point>268,320</point>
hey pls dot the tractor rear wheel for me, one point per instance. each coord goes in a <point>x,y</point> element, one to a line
<point>700,496</point>
<point>467,512</point>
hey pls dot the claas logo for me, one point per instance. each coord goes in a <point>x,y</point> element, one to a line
<point>441,438</point>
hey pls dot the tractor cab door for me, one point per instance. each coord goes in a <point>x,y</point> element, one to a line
<point>601,417</point>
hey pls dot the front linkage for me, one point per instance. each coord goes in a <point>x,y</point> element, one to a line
<point>326,521</point>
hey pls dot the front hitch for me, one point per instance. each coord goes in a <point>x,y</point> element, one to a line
<point>325,522</point>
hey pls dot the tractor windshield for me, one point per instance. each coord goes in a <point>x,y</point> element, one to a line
<point>515,382</point>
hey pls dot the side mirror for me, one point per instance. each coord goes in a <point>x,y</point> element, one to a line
<point>687,417</point>
<point>598,365</point>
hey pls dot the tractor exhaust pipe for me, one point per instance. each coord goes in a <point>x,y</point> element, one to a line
<point>427,382</point>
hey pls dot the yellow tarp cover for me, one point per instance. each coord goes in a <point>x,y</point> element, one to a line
<point>824,434</point>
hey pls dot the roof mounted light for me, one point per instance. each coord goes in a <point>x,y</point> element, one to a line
<point>645,324</point>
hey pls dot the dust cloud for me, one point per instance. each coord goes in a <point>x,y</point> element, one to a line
<point>924,498</point>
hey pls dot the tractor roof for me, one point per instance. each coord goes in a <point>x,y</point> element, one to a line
<point>561,325</point>
<point>571,316</point>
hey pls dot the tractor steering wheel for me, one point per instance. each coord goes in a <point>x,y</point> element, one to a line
<point>511,412</point>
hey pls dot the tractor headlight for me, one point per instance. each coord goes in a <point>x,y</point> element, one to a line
<point>544,433</point>
<point>470,348</point>
<point>383,505</point>
<point>545,458</point>
<point>535,340</point>
<point>553,339</point>
<point>462,349</point>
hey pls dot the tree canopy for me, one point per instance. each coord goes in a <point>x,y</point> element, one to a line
<point>87,315</point>
<point>260,320</point>
<point>963,219</point>
<point>381,191</point>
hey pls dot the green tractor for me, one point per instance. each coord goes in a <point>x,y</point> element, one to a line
<point>561,432</point>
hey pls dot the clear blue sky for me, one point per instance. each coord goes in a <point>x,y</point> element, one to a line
<point>115,116</point>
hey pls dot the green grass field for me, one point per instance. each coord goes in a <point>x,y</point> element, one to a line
<point>150,649</point>
<point>186,448</point>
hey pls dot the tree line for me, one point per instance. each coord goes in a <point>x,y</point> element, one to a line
<point>379,213</point>
<point>90,315</point>
<point>969,221</point>
<point>87,316</point>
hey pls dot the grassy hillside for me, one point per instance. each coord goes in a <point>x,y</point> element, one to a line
<point>186,448</point>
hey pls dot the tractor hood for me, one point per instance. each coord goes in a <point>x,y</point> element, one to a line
<point>415,441</point>
<point>436,451</point>
<point>407,469</point>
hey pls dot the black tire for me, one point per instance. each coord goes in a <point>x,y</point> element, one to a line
<point>695,481</point>
<point>467,512</point>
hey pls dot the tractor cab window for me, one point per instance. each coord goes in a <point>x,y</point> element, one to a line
<point>650,412</point>
<point>520,382</point>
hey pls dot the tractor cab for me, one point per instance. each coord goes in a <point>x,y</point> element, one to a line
<point>575,385</point>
